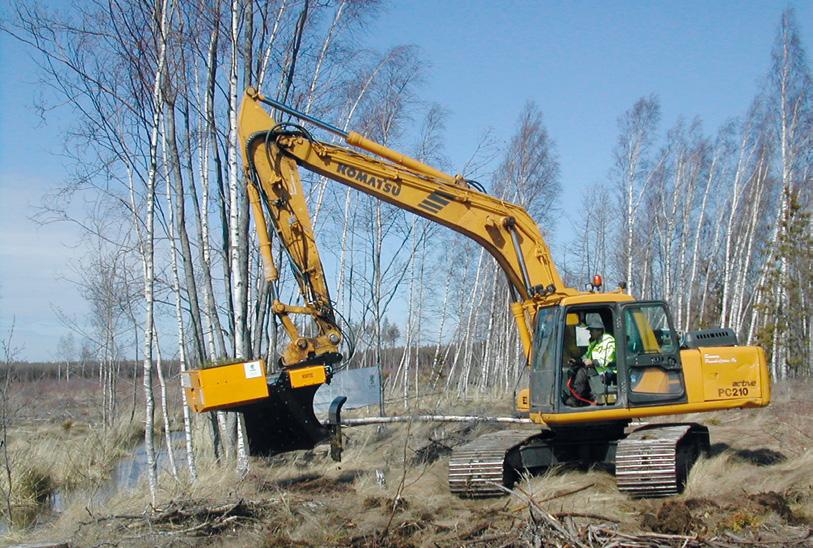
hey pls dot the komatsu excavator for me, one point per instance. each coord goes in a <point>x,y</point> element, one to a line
<point>656,373</point>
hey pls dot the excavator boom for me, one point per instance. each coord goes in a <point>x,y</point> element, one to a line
<point>504,229</point>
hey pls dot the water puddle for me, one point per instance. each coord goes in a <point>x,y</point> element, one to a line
<point>128,474</point>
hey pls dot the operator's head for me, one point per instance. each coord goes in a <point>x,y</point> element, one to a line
<point>596,327</point>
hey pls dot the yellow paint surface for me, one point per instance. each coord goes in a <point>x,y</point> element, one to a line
<point>225,386</point>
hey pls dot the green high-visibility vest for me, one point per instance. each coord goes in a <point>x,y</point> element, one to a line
<point>602,352</point>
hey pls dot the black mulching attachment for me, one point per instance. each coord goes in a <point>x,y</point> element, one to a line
<point>284,421</point>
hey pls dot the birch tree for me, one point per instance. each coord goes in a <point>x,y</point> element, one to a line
<point>631,174</point>
<point>791,88</point>
<point>147,246</point>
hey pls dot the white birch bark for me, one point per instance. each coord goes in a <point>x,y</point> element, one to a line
<point>164,406</point>
<point>203,219</point>
<point>218,343</point>
<point>710,177</point>
<point>176,288</point>
<point>148,250</point>
<point>460,341</point>
<point>694,161</point>
<point>437,365</point>
<point>237,244</point>
<point>490,339</point>
<point>465,342</point>
<point>419,313</point>
<point>744,271</point>
<point>637,125</point>
<point>271,43</point>
<point>743,158</point>
<point>234,207</point>
<point>719,224</point>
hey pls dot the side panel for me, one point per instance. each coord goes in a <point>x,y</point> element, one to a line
<point>727,373</point>
<point>225,386</point>
<point>307,376</point>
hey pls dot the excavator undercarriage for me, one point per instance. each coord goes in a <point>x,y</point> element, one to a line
<point>651,461</point>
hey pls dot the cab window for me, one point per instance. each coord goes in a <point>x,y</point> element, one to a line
<point>545,342</point>
<point>544,360</point>
<point>648,331</point>
<point>652,355</point>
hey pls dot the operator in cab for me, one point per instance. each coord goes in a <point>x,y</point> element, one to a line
<point>598,359</point>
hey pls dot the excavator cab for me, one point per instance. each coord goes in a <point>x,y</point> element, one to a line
<point>644,370</point>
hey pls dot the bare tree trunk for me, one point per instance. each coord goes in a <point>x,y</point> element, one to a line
<point>377,249</point>
<point>707,278</point>
<point>637,125</point>
<point>490,339</point>
<point>164,407</point>
<point>237,251</point>
<point>739,176</point>
<point>148,252</point>
<point>744,271</point>
<point>471,322</point>
<point>271,44</point>
<point>437,364</point>
<point>175,175</point>
<point>243,214</point>
<point>696,244</point>
<point>238,283</point>
<point>419,313</point>
<point>176,287</point>
<point>8,358</point>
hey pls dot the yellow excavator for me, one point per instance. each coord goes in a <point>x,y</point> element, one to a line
<point>653,371</point>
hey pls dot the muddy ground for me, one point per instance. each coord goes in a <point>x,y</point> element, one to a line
<point>756,488</point>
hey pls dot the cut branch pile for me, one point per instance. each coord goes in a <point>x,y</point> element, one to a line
<point>583,530</point>
<point>545,529</point>
<point>182,518</point>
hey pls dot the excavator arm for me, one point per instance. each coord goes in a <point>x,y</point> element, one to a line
<point>278,411</point>
<point>275,151</point>
<point>279,193</point>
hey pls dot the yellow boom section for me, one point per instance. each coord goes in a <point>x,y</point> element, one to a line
<point>278,190</point>
<point>504,229</point>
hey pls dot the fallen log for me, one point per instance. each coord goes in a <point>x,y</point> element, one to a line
<point>363,421</point>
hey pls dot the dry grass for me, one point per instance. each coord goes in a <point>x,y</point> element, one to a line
<point>756,485</point>
<point>77,456</point>
<point>55,445</point>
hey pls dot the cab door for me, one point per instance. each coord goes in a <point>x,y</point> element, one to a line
<point>651,354</point>
<point>544,361</point>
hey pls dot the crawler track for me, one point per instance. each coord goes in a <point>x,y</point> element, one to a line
<point>654,461</point>
<point>479,469</point>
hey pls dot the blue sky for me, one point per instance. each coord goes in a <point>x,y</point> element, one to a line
<point>583,63</point>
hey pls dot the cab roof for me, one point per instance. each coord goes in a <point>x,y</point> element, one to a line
<point>597,298</point>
